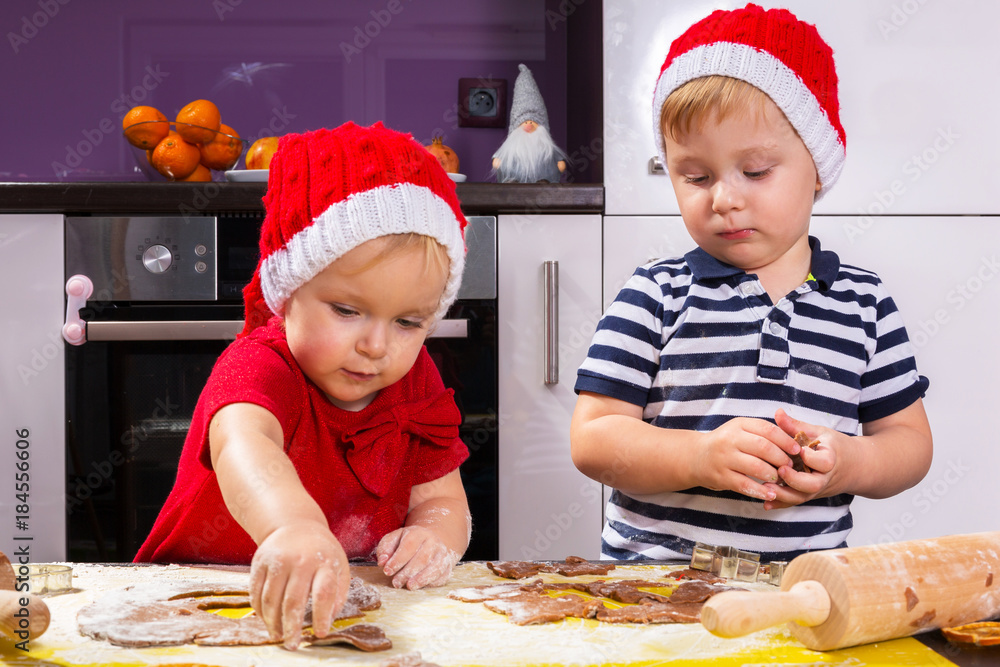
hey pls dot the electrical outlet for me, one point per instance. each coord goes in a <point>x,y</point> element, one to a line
<point>482,102</point>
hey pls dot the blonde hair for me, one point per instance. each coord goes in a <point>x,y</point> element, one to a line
<point>435,254</point>
<point>692,104</point>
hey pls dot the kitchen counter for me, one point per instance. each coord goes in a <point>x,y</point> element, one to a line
<point>450,632</point>
<point>195,198</point>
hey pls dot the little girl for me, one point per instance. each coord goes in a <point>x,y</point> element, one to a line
<point>325,432</point>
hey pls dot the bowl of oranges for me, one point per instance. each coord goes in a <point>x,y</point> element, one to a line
<point>195,146</point>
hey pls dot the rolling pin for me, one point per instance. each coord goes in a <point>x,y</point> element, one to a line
<point>846,597</point>
<point>23,616</point>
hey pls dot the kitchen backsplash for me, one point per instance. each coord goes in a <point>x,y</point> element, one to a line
<point>72,69</point>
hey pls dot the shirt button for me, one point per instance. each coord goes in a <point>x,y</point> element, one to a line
<point>775,328</point>
<point>748,288</point>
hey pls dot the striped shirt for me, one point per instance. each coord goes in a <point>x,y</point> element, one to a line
<point>697,342</point>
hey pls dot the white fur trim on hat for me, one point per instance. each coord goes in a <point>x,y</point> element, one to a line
<point>400,208</point>
<point>761,70</point>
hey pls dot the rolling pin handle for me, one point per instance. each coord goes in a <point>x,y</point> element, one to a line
<point>738,613</point>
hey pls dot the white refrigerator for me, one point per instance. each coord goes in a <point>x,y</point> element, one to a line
<point>917,202</point>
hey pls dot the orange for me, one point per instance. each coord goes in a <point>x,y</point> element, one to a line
<point>199,121</point>
<point>223,151</point>
<point>175,158</point>
<point>259,155</point>
<point>145,127</point>
<point>201,174</point>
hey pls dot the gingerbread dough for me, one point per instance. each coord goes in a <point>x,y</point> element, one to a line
<point>573,566</point>
<point>700,575</point>
<point>528,602</point>
<point>170,614</point>
<point>531,608</point>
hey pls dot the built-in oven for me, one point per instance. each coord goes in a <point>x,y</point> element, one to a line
<point>151,303</point>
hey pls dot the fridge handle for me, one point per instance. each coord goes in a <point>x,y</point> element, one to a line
<point>550,320</point>
<point>78,290</point>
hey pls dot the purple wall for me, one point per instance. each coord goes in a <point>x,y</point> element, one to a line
<point>70,69</point>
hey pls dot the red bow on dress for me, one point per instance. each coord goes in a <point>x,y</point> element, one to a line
<point>377,450</point>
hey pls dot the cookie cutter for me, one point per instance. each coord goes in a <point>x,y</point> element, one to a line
<point>48,579</point>
<point>732,563</point>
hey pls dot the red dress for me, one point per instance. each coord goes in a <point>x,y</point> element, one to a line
<point>358,466</point>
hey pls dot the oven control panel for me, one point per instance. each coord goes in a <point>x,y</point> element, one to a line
<point>144,258</point>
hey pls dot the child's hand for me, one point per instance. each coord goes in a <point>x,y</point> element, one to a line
<point>293,562</point>
<point>802,486</point>
<point>739,453</point>
<point>414,556</point>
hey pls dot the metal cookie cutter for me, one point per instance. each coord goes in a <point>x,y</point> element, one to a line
<point>727,562</point>
<point>45,579</point>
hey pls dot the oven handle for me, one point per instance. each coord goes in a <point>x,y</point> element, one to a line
<point>214,330</point>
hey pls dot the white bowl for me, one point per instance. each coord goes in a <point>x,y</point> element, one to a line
<point>458,178</point>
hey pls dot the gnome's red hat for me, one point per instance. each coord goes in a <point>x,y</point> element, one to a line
<point>329,191</point>
<point>775,52</point>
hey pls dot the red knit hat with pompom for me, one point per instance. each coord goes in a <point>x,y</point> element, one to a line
<point>329,191</point>
<point>774,51</point>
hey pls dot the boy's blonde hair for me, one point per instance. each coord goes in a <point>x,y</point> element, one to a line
<point>692,104</point>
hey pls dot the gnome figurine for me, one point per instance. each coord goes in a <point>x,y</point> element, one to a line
<point>528,155</point>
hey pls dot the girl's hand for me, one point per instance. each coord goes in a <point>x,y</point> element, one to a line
<point>821,461</point>
<point>293,562</point>
<point>414,557</point>
<point>743,455</point>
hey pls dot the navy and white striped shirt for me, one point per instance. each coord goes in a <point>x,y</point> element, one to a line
<point>697,342</point>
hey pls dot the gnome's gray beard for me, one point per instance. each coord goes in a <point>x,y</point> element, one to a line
<point>525,155</point>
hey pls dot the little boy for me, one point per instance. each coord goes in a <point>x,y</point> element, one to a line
<point>706,366</point>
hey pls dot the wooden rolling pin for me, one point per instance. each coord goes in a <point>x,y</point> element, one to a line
<point>23,616</point>
<point>845,597</point>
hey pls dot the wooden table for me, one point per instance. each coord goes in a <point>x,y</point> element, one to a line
<point>449,632</point>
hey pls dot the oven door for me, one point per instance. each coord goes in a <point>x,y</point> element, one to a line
<point>148,350</point>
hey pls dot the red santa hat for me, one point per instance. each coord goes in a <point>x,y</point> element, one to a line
<point>775,52</point>
<point>329,191</point>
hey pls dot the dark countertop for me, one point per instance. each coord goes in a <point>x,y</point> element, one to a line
<point>194,198</point>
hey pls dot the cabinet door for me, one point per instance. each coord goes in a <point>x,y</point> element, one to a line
<point>548,509</point>
<point>32,388</point>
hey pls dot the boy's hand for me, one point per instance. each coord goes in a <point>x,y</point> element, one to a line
<point>802,486</point>
<point>292,563</point>
<point>414,556</point>
<point>739,453</point>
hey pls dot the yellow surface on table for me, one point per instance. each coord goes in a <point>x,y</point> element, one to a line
<point>445,631</point>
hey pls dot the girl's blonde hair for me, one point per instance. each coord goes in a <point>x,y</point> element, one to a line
<point>435,254</point>
<point>692,104</point>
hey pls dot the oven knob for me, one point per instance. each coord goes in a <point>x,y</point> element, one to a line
<point>157,258</point>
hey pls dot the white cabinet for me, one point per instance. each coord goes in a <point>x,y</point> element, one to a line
<point>944,275</point>
<point>917,101</point>
<point>32,381</point>
<point>548,509</point>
